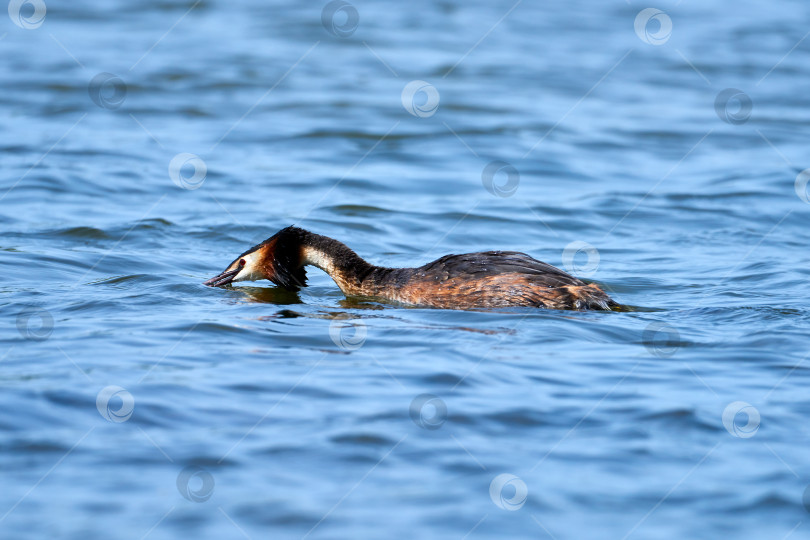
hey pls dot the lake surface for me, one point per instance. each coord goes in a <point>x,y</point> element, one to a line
<point>660,153</point>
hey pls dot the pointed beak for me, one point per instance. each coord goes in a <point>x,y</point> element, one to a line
<point>223,279</point>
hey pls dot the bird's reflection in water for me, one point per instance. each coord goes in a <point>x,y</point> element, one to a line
<point>269,295</point>
<point>282,297</point>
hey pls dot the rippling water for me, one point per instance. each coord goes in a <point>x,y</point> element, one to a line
<point>657,152</point>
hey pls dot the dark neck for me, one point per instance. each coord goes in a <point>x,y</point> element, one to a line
<point>335,258</point>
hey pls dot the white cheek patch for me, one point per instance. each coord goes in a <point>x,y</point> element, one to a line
<point>251,270</point>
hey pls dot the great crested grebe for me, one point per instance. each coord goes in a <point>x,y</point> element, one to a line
<point>488,279</point>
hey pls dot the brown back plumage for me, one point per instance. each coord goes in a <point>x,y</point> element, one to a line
<point>500,279</point>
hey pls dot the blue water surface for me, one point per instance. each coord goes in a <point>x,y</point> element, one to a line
<point>657,150</point>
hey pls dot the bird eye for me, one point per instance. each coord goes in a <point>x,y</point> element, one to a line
<point>242,262</point>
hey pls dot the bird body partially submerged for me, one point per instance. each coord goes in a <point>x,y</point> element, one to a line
<point>487,279</point>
